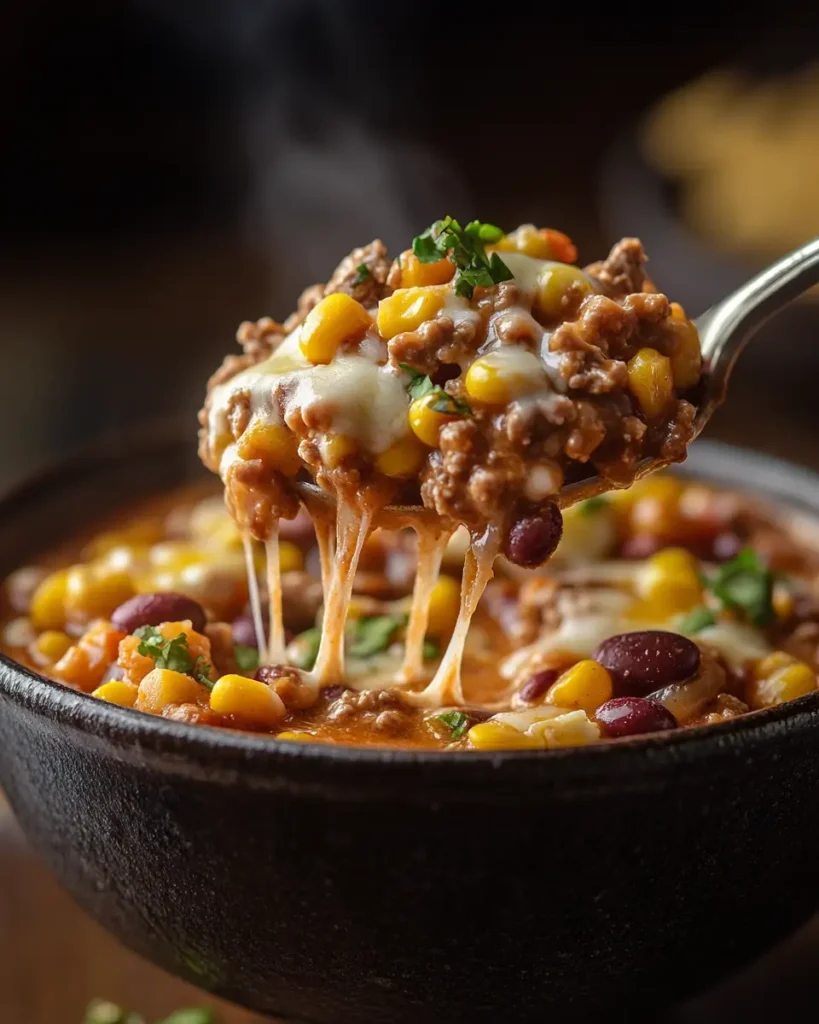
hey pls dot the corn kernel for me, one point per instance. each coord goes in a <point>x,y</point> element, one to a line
<point>335,449</point>
<point>585,686</point>
<point>50,646</point>
<point>333,320</point>
<point>294,736</point>
<point>669,582</point>
<point>686,356</point>
<point>773,663</point>
<point>540,243</point>
<point>273,444</point>
<point>426,421</point>
<point>141,533</point>
<point>290,557</point>
<point>128,558</point>
<point>407,308</point>
<point>444,605</point>
<point>174,555</point>
<point>48,601</point>
<point>162,687</point>
<point>555,286</point>
<point>246,698</point>
<point>118,692</point>
<point>402,459</point>
<point>415,274</point>
<point>653,506</point>
<point>499,736</point>
<point>783,603</point>
<point>502,375</point>
<point>94,591</point>
<point>786,683</point>
<point>651,382</point>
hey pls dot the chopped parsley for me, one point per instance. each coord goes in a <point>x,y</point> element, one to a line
<point>100,1011</point>
<point>304,648</point>
<point>456,721</point>
<point>432,650</point>
<point>247,658</point>
<point>362,273</point>
<point>372,635</point>
<point>420,386</point>
<point>697,619</point>
<point>193,1015</point>
<point>465,247</point>
<point>745,585</point>
<point>591,506</point>
<point>172,654</point>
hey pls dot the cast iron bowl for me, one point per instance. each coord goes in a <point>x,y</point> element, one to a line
<point>339,885</point>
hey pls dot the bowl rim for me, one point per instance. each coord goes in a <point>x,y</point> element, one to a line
<point>211,751</point>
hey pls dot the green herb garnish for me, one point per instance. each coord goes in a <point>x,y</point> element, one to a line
<point>591,506</point>
<point>420,386</point>
<point>432,650</point>
<point>193,1015</point>
<point>172,654</point>
<point>465,247</point>
<point>372,635</point>
<point>247,658</point>
<point>362,273</point>
<point>456,721</point>
<point>745,585</point>
<point>100,1011</point>
<point>304,648</point>
<point>697,619</point>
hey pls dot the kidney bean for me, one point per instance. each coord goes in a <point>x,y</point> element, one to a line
<point>726,546</point>
<point>534,688</point>
<point>333,692</point>
<point>244,631</point>
<point>642,661</point>
<point>152,609</point>
<point>533,538</point>
<point>641,545</point>
<point>630,716</point>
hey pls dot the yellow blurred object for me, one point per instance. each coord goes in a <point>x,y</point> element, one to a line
<point>786,683</point>
<point>273,444</point>
<point>290,557</point>
<point>402,459</point>
<point>686,357</point>
<point>651,382</point>
<point>248,699</point>
<point>48,601</point>
<point>499,736</point>
<point>584,686</point>
<point>118,692</point>
<point>773,663</point>
<point>50,646</point>
<point>504,374</point>
<point>653,506</point>
<point>555,285</point>
<point>174,555</point>
<point>444,605</point>
<point>783,602</point>
<point>138,534</point>
<point>162,687</point>
<point>94,591</point>
<point>415,274</point>
<point>426,421</point>
<point>333,320</point>
<point>407,308</point>
<point>669,582</point>
<point>295,737</point>
<point>527,240</point>
<point>335,448</point>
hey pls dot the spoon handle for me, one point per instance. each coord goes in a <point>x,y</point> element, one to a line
<point>725,328</point>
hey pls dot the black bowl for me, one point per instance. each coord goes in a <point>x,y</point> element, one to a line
<point>348,885</point>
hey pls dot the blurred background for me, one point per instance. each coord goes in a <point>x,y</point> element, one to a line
<point>173,168</point>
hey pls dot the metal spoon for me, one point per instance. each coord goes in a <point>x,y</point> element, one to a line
<point>724,331</point>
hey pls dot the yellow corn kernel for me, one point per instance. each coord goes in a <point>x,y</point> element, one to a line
<point>426,421</point>
<point>174,555</point>
<point>290,557</point>
<point>502,375</point>
<point>139,534</point>
<point>333,320</point>
<point>500,736</point>
<point>274,444</point>
<point>162,687</point>
<point>50,646</point>
<point>94,591</point>
<point>402,459</point>
<point>415,274</point>
<point>248,699</point>
<point>669,582</point>
<point>294,736</point>
<point>787,683</point>
<point>528,240</point>
<point>783,603</point>
<point>686,356</point>
<point>48,601</point>
<point>555,284</point>
<point>584,686</point>
<point>651,382</point>
<point>118,692</point>
<point>335,449</point>
<point>407,308</point>
<point>444,604</point>
<point>773,663</point>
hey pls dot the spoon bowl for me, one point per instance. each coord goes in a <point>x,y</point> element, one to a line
<point>327,884</point>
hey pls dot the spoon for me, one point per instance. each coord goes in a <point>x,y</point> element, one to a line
<point>724,330</point>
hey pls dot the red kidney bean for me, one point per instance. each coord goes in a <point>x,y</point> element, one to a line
<point>243,630</point>
<point>333,692</point>
<point>726,546</point>
<point>533,538</point>
<point>534,688</point>
<point>152,609</point>
<point>630,716</point>
<point>645,660</point>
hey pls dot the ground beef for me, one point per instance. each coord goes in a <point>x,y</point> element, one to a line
<point>622,271</point>
<point>383,710</point>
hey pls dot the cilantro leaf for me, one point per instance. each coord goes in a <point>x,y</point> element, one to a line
<point>432,650</point>
<point>420,386</point>
<point>193,1015</point>
<point>415,374</point>
<point>449,405</point>
<point>591,506</point>
<point>100,1011</point>
<point>362,272</point>
<point>456,721</point>
<point>201,672</point>
<point>697,619</point>
<point>247,658</point>
<point>372,634</point>
<point>304,648</point>
<point>465,248</point>
<point>172,654</point>
<point>745,585</point>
